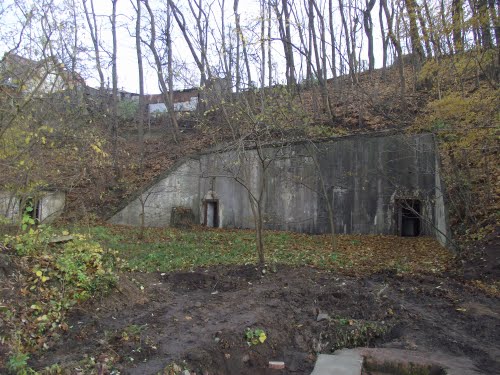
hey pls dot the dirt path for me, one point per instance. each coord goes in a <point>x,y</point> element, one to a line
<point>200,317</point>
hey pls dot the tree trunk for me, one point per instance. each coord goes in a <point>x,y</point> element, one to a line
<point>432,31</point>
<point>416,46</point>
<point>385,41</point>
<point>286,38</point>
<point>263,53</point>
<point>239,33</point>
<point>269,60</point>
<point>495,20</point>
<point>141,109</point>
<point>114,106</point>
<point>166,91</point>
<point>352,71</point>
<point>332,39</point>
<point>484,21</point>
<point>399,51</point>
<point>445,26</point>
<point>367,20</point>
<point>205,72</point>
<point>457,17</point>
<point>94,35</point>
<point>425,33</point>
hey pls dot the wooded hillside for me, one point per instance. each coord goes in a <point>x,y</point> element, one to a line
<point>291,72</point>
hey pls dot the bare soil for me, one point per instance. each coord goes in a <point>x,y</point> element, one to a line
<point>200,317</point>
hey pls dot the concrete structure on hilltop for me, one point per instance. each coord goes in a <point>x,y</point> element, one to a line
<point>378,183</point>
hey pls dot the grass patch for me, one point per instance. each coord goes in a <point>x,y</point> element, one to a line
<point>169,249</point>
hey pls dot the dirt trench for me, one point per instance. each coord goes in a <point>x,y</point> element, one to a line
<point>198,320</point>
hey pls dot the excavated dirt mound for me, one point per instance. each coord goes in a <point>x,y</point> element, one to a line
<point>200,317</point>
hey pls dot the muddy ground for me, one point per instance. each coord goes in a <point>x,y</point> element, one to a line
<point>200,318</point>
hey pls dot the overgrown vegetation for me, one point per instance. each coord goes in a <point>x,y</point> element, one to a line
<point>463,113</point>
<point>51,274</point>
<point>351,333</point>
<point>169,249</point>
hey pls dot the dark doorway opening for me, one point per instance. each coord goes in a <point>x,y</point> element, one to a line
<point>212,213</point>
<point>32,208</point>
<point>409,217</point>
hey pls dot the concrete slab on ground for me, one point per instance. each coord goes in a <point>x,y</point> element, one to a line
<point>350,361</point>
<point>343,362</point>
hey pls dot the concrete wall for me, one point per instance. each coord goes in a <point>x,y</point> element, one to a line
<point>364,177</point>
<point>50,205</point>
<point>178,188</point>
<point>9,206</point>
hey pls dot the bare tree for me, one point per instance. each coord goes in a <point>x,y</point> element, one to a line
<point>94,35</point>
<point>368,23</point>
<point>333,43</point>
<point>416,45</point>
<point>140,71</point>
<point>205,72</point>
<point>432,30</point>
<point>167,92</point>
<point>283,14</point>
<point>425,33</point>
<point>385,38</point>
<point>397,46</point>
<point>457,20</point>
<point>114,96</point>
<point>351,55</point>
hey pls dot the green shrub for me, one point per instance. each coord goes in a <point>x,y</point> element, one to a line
<point>56,276</point>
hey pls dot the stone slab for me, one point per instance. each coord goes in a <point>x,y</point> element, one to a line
<point>350,361</point>
<point>343,362</point>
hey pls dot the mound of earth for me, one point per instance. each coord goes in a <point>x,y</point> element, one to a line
<point>198,321</point>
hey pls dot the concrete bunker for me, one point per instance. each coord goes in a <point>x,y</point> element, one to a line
<point>211,213</point>
<point>33,208</point>
<point>43,206</point>
<point>409,217</point>
<point>378,184</point>
<point>211,208</point>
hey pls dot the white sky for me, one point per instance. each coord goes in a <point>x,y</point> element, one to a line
<point>127,59</point>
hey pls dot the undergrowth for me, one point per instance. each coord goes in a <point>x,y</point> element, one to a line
<point>51,274</point>
<point>169,249</point>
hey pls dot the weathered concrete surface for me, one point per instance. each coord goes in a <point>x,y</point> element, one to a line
<point>350,361</point>
<point>363,177</point>
<point>343,362</point>
<point>9,205</point>
<point>179,189</point>
<point>397,359</point>
<point>50,205</point>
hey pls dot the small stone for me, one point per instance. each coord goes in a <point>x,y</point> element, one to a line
<point>277,365</point>
<point>176,368</point>
<point>322,316</point>
<point>217,339</point>
<point>186,372</point>
<point>197,304</point>
<point>245,358</point>
<point>227,355</point>
<point>60,239</point>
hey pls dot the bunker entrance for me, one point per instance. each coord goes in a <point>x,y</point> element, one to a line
<point>32,208</point>
<point>409,217</point>
<point>212,213</point>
